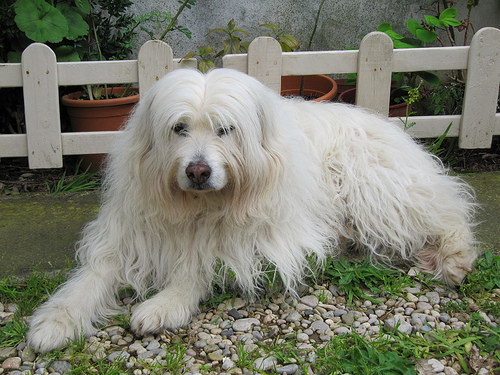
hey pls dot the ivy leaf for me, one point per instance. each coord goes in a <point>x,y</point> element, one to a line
<point>76,24</point>
<point>413,25</point>
<point>40,21</point>
<point>66,53</point>
<point>433,21</point>
<point>83,6</point>
<point>426,36</point>
<point>448,13</point>
<point>384,27</point>
<point>450,22</point>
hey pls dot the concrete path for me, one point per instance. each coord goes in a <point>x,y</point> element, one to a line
<point>41,229</point>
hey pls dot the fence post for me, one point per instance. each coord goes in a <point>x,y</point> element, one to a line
<point>373,85</point>
<point>41,103</point>
<point>265,61</point>
<point>154,61</point>
<point>481,90</point>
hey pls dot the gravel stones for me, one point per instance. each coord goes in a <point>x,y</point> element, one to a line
<point>61,367</point>
<point>244,325</point>
<point>311,301</point>
<point>118,355</point>
<point>265,363</point>
<point>11,363</point>
<point>288,369</point>
<point>7,352</point>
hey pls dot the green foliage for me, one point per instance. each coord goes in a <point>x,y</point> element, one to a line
<point>354,277</point>
<point>423,32</point>
<point>485,277</point>
<point>233,42</point>
<point>13,333</point>
<point>287,42</point>
<point>31,292</point>
<point>78,182</point>
<point>174,359</point>
<point>353,354</point>
<point>157,24</point>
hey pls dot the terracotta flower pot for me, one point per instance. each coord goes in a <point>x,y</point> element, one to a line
<point>317,88</point>
<point>395,110</point>
<point>99,115</point>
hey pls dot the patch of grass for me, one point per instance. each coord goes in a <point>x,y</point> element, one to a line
<point>354,277</point>
<point>354,355</point>
<point>453,343</point>
<point>245,359</point>
<point>30,292</point>
<point>175,358</point>
<point>454,307</point>
<point>13,333</point>
<point>485,277</point>
<point>78,182</point>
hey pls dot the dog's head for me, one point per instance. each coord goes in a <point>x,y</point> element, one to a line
<point>202,133</point>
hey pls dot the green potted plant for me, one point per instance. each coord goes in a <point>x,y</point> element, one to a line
<point>421,34</point>
<point>314,87</point>
<point>103,108</point>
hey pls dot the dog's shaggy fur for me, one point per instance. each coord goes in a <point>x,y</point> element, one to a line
<point>219,166</point>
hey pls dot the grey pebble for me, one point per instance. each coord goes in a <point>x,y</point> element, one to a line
<point>265,363</point>
<point>118,355</point>
<point>288,369</point>
<point>61,367</point>
<point>243,325</point>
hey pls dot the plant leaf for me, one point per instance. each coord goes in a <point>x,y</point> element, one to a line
<point>413,25</point>
<point>40,21</point>
<point>432,21</point>
<point>66,53</point>
<point>426,36</point>
<point>76,24</point>
<point>83,6</point>
<point>448,13</point>
<point>450,22</point>
<point>384,27</point>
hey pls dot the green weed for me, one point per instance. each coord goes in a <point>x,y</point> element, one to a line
<point>13,333</point>
<point>78,182</point>
<point>354,355</point>
<point>30,292</point>
<point>354,277</point>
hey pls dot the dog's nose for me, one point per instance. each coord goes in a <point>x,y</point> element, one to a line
<point>198,172</point>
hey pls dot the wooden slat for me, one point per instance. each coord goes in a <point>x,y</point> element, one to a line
<point>431,126</point>
<point>10,75</point>
<point>481,90</point>
<point>154,61</point>
<point>339,62</point>
<point>374,72</point>
<point>88,142</point>
<point>435,58</point>
<point>41,103</point>
<point>97,72</point>
<point>264,61</point>
<point>13,145</point>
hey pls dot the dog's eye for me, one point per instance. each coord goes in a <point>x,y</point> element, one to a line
<point>224,131</point>
<point>180,129</point>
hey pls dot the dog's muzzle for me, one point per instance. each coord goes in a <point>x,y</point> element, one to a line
<point>198,173</point>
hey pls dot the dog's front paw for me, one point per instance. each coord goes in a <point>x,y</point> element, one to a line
<point>52,327</point>
<point>155,315</point>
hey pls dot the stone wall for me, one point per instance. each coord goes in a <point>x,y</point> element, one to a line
<point>342,23</point>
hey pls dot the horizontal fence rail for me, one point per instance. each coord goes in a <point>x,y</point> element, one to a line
<point>40,75</point>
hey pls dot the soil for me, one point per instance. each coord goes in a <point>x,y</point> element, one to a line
<point>16,177</point>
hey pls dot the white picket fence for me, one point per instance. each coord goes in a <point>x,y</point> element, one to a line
<point>40,75</point>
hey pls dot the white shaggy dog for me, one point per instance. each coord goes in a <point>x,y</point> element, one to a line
<point>219,166</point>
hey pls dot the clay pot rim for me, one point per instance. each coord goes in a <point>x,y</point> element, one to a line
<point>70,101</point>
<point>392,106</point>
<point>328,95</point>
